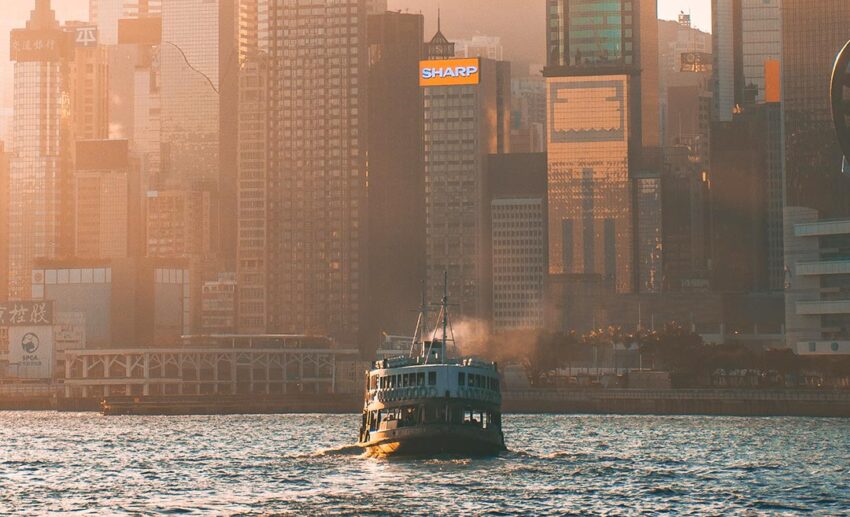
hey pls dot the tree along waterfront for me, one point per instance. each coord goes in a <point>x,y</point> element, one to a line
<point>690,361</point>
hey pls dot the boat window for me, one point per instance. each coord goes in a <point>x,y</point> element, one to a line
<point>432,378</point>
<point>420,379</point>
<point>461,378</point>
<point>472,417</point>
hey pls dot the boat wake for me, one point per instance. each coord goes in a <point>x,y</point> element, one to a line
<point>342,450</point>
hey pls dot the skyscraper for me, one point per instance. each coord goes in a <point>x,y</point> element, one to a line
<point>105,14</point>
<point>190,93</point>
<point>516,194</point>
<point>466,118</point>
<point>40,167</point>
<point>396,225</point>
<point>746,37</point>
<point>603,132</point>
<point>312,177</point>
<point>89,89</point>
<point>198,72</point>
<point>107,198</point>
<point>813,32</point>
<point>747,120</point>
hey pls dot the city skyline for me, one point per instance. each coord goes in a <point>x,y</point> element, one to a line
<point>249,247</point>
<point>16,12</point>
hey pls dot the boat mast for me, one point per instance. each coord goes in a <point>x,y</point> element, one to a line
<point>421,324</point>
<point>445,309</point>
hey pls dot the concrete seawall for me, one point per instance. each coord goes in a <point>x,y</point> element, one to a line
<point>733,402</point>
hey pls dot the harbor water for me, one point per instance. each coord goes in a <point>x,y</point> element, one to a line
<point>304,465</point>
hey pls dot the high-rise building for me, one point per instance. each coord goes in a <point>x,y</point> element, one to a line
<point>252,264</point>
<point>218,305</point>
<point>199,74</point>
<point>747,115</point>
<point>516,193</point>
<point>746,171</point>
<point>106,14</point>
<point>747,41</point>
<point>396,210</point>
<point>314,181</point>
<point>4,223</point>
<point>178,224</point>
<point>39,215</point>
<point>90,83</point>
<point>466,118</point>
<point>685,199</point>
<point>813,32</point>
<point>603,132</point>
<point>107,201</point>
<point>190,93</point>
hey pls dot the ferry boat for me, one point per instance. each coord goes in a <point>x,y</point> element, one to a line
<point>429,402</point>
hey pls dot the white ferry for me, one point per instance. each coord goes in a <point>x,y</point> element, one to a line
<point>430,403</point>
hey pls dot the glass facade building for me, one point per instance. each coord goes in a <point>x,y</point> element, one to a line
<point>189,95</point>
<point>603,126</point>
<point>746,37</point>
<point>41,152</point>
<point>813,32</point>
<point>762,41</point>
<point>590,202</point>
<point>591,32</point>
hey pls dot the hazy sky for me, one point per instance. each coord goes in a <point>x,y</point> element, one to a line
<point>519,22</point>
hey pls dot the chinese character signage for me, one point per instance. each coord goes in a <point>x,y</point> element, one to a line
<point>31,352</point>
<point>21,314</point>
<point>39,45</point>
<point>85,36</point>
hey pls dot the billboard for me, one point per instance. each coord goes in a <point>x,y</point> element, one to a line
<point>85,36</point>
<point>449,72</point>
<point>31,352</point>
<point>695,62</point>
<point>39,45</point>
<point>21,314</point>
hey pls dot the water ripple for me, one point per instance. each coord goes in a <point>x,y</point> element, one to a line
<point>304,464</point>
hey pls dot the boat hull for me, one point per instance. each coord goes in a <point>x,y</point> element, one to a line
<point>430,440</point>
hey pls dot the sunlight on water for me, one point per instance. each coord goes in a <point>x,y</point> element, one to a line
<point>54,462</point>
